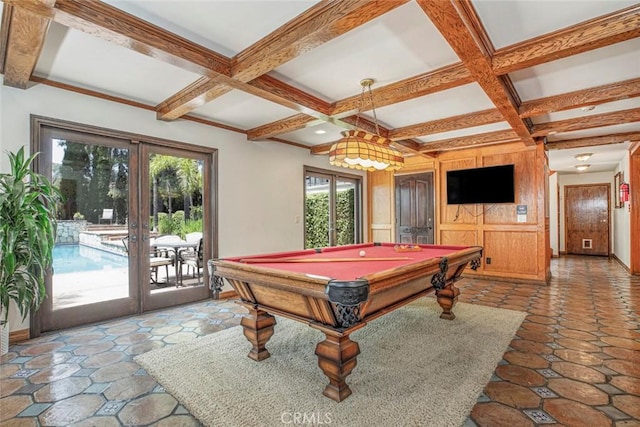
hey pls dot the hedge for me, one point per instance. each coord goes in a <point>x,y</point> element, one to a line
<point>317,212</point>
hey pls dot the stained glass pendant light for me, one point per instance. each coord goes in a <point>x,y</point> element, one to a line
<point>362,150</point>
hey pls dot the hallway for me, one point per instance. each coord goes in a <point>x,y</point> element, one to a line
<point>575,360</point>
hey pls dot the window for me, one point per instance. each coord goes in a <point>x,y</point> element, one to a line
<point>332,208</point>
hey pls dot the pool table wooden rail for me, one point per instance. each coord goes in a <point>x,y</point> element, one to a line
<point>304,298</point>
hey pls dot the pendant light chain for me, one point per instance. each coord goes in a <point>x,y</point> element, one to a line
<point>373,108</point>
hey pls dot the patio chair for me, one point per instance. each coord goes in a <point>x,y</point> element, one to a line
<point>192,259</point>
<point>155,262</point>
<point>193,237</point>
<point>107,215</point>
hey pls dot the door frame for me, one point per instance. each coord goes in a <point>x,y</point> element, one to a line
<point>137,273</point>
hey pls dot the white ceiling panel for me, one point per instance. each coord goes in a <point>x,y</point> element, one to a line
<point>610,64</point>
<point>108,68</point>
<point>604,158</point>
<point>588,133</point>
<point>609,107</point>
<point>226,27</point>
<point>511,21</point>
<point>460,100</point>
<point>242,110</point>
<point>400,44</point>
<point>310,136</point>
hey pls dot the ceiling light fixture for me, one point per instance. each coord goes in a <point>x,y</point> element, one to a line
<point>362,150</point>
<point>583,157</point>
<point>320,131</point>
<point>581,168</point>
<point>588,107</point>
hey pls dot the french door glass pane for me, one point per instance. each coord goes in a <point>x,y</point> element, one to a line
<point>317,211</point>
<point>346,220</point>
<point>90,260</point>
<point>176,221</point>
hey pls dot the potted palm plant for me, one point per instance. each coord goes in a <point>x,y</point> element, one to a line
<point>28,204</point>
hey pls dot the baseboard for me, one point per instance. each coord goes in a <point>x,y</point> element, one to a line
<point>622,264</point>
<point>19,335</point>
<point>505,279</point>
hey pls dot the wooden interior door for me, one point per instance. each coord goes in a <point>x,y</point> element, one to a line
<point>587,219</point>
<point>414,208</point>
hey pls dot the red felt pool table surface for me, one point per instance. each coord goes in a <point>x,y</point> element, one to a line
<point>357,267</point>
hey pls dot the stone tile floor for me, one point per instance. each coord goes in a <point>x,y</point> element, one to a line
<point>575,360</point>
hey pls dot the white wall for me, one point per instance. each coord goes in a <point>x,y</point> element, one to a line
<point>260,184</point>
<point>622,220</point>
<point>553,214</point>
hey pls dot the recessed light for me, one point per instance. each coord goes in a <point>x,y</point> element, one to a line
<point>320,131</point>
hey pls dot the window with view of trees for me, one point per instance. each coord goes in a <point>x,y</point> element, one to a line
<point>332,209</point>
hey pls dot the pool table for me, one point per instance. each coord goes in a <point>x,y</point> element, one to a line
<point>338,290</point>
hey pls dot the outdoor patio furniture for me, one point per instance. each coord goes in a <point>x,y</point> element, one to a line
<point>155,261</point>
<point>192,259</point>
<point>107,215</point>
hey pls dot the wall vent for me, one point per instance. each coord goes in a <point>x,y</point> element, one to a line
<point>587,243</point>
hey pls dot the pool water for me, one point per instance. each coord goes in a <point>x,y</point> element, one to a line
<point>79,258</point>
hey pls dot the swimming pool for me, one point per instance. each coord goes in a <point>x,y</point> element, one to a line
<point>80,258</point>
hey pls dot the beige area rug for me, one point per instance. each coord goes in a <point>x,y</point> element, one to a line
<point>413,369</point>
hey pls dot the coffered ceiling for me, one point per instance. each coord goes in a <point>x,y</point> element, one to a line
<point>448,74</point>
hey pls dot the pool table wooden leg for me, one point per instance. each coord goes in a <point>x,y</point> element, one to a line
<point>337,358</point>
<point>447,298</point>
<point>258,328</point>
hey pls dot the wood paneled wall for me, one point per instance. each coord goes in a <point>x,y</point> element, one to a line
<point>517,250</point>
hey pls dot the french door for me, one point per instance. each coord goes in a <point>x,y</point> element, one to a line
<point>102,260</point>
<point>332,208</point>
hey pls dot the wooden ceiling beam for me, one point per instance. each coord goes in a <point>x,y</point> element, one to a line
<point>188,99</point>
<point>488,138</point>
<point>614,138</point>
<point>23,41</point>
<point>589,35</point>
<point>276,91</point>
<point>5,25</point>
<point>581,98</point>
<point>450,123</point>
<point>205,89</point>
<point>111,24</point>
<point>434,81</point>
<point>587,122</point>
<point>321,23</point>
<point>454,22</point>
<point>270,130</point>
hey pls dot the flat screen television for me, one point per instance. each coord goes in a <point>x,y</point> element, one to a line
<point>493,184</point>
